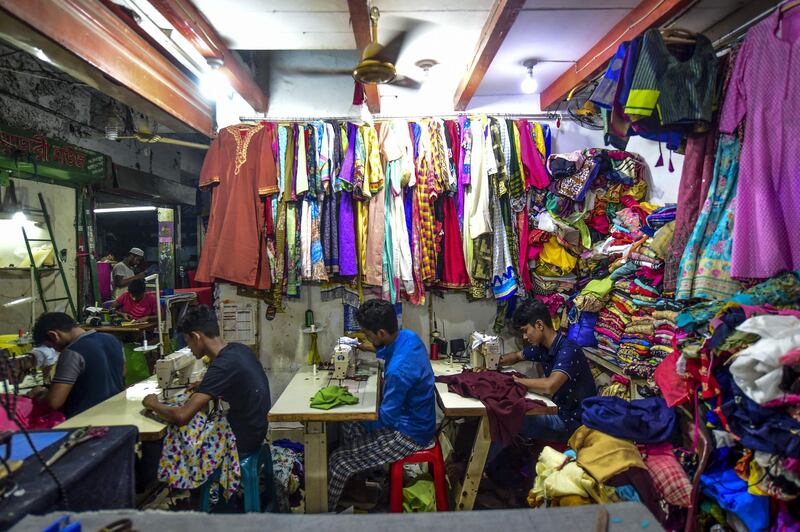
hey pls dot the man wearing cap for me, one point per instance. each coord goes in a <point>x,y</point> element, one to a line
<point>123,273</point>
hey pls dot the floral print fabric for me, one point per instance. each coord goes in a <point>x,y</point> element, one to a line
<point>192,453</point>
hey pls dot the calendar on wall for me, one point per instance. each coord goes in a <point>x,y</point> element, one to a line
<point>239,322</point>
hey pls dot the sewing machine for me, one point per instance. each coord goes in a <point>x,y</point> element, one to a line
<point>14,369</point>
<point>177,370</point>
<point>484,351</point>
<point>344,361</point>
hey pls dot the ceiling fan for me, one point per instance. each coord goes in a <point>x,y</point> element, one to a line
<point>141,131</point>
<point>377,65</point>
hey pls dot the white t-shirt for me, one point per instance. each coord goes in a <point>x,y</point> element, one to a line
<point>120,270</point>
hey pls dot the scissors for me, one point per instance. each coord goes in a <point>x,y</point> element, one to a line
<point>77,437</point>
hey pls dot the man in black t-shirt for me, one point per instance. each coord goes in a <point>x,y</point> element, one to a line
<point>235,376</point>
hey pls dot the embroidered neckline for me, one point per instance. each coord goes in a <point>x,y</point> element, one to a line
<point>243,136</point>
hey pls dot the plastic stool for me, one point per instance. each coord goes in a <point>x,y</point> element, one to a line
<point>433,457</point>
<point>250,466</point>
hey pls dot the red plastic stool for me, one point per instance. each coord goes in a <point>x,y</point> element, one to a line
<point>433,457</point>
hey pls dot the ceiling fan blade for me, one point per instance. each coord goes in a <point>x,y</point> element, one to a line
<point>405,83</point>
<point>391,52</point>
<point>315,71</point>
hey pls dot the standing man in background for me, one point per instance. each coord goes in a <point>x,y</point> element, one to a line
<point>123,273</point>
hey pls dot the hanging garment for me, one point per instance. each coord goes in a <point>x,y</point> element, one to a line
<point>375,238</point>
<point>603,94</point>
<point>705,269</point>
<point>535,174</point>
<point>330,231</point>
<point>241,167</point>
<point>504,282</point>
<point>193,452</point>
<point>464,165</point>
<point>301,179</point>
<point>765,239</point>
<point>362,230</point>
<point>696,177</point>
<point>425,190</point>
<point>293,271</point>
<point>317,260</point>
<point>397,265</point>
<point>477,198</point>
<point>455,273</point>
<point>373,169</point>
<point>682,92</point>
<point>348,259</point>
<point>505,400</point>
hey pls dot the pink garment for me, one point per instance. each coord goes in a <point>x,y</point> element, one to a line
<point>653,276</point>
<point>33,415</point>
<point>763,90</point>
<point>535,173</point>
<point>791,358</point>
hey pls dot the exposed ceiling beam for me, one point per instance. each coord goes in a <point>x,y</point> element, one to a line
<point>501,18</point>
<point>647,14</point>
<point>191,23</point>
<point>87,41</point>
<point>359,18</point>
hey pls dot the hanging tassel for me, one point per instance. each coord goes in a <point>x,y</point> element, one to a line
<point>358,93</point>
<point>671,168</point>
<point>660,161</point>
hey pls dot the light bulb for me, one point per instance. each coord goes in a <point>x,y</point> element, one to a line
<point>214,85</point>
<point>19,217</point>
<point>529,84</point>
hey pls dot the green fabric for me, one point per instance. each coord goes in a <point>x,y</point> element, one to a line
<point>331,397</point>
<point>136,365</point>
<point>419,497</point>
<point>599,287</point>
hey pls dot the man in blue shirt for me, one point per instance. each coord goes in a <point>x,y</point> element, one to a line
<point>567,377</point>
<point>407,417</point>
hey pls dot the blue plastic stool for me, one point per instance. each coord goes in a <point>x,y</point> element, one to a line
<point>250,467</point>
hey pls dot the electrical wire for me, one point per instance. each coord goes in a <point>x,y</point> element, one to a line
<point>6,403</point>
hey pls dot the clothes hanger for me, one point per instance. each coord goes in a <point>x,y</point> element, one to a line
<point>789,5</point>
<point>679,35</point>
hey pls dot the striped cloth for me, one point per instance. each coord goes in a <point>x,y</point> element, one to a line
<point>363,451</point>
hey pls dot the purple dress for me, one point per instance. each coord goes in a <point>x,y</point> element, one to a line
<point>348,263</point>
<point>763,92</point>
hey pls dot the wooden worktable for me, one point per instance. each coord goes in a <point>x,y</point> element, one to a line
<point>455,406</point>
<point>125,408</point>
<point>293,405</point>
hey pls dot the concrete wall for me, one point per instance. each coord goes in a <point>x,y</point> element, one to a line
<point>17,284</point>
<point>35,96</point>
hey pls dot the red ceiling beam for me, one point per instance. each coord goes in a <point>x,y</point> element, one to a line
<point>647,14</point>
<point>86,40</point>
<point>194,27</point>
<point>501,18</point>
<point>359,18</point>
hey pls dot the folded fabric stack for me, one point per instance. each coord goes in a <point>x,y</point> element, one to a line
<point>664,332</point>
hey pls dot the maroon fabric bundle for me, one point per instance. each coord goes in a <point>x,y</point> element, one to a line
<point>503,398</point>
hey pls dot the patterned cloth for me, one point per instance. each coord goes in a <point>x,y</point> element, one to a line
<point>362,451</point>
<point>705,269</point>
<point>668,476</point>
<point>426,219</point>
<point>191,453</point>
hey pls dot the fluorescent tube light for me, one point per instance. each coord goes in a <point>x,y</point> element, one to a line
<point>124,209</point>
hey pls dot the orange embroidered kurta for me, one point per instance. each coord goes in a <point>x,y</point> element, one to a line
<point>240,165</point>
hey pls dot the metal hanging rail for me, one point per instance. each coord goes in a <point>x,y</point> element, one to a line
<point>383,118</point>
